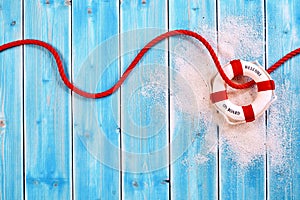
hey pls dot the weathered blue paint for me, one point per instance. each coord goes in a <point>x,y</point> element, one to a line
<point>94,69</point>
<point>47,103</point>
<point>66,136</point>
<point>198,181</point>
<point>283,19</point>
<point>11,108</point>
<point>236,182</point>
<point>144,110</point>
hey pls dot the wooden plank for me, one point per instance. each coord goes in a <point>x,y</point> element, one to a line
<point>144,100</point>
<point>194,172</point>
<point>47,102</point>
<point>11,108</point>
<point>283,121</point>
<point>96,122</point>
<point>237,180</point>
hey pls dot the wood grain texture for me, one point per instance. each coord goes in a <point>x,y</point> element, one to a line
<point>283,19</point>
<point>238,182</point>
<point>192,180</point>
<point>47,102</point>
<point>144,100</point>
<point>96,122</point>
<point>11,108</point>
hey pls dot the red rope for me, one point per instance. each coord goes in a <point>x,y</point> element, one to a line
<point>138,58</point>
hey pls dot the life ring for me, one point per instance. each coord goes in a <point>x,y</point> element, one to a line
<point>233,113</point>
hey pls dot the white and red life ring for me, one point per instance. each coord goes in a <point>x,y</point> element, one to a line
<point>235,114</point>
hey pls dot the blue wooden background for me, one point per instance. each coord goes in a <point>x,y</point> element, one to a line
<point>57,145</point>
